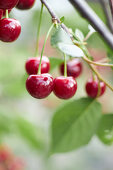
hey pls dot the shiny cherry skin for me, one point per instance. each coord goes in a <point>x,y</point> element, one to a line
<point>8,4</point>
<point>1,13</point>
<point>65,87</point>
<point>92,88</point>
<point>74,68</point>
<point>25,4</point>
<point>39,86</point>
<point>10,29</point>
<point>32,65</point>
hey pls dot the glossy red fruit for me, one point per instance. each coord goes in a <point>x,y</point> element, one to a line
<point>25,4</point>
<point>1,13</point>
<point>92,88</point>
<point>32,65</point>
<point>74,68</point>
<point>9,29</point>
<point>64,87</point>
<point>8,4</point>
<point>39,86</point>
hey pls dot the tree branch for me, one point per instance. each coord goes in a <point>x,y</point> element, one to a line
<point>94,20</point>
<point>106,9</point>
<point>111,5</point>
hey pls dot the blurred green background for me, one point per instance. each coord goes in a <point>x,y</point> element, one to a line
<point>24,121</point>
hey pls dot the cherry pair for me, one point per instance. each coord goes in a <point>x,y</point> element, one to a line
<point>40,86</point>
<point>21,4</point>
<point>9,28</point>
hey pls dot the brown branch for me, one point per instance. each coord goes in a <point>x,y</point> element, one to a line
<point>54,16</point>
<point>85,10</point>
<point>111,5</point>
<point>106,9</point>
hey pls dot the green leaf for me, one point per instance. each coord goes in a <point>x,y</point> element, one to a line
<point>55,62</point>
<point>30,133</point>
<point>79,35</point>
<point>60,35</point>
<point>71,50</point>
<point>62,19</point>
<point>105,129</point>
<point>74,124</point>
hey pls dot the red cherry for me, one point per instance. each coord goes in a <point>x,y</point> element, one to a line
<point>8,4</point>
<point>32,65</point>
<point>25,4</point>
<point>39,86</point>
<point>92,88</point>
<point>9,29</point>
<point>64,87</point>
<point>1,13</point>
<point>74,68</point>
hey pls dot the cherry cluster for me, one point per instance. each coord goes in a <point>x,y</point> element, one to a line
<point>40,86</point>
<point>40,83</point>
<point>10,28</point>
<point>8,160</point>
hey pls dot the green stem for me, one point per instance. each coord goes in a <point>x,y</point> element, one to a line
<point>65,66</point>
<point>38,32</point>
<point>50,29</point>
<point>7,14</point>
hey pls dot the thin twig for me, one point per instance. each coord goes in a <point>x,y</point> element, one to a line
<point>98,63</point>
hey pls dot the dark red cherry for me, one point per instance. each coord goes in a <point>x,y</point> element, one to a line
<point>64,87</point>
<point>1,13</point>
<point>92,88</point>
<point>74,68</point>
<point>32,65</point>
<point>9,29</point>
<point>8,4</point>
<point>25,4</point>
<point>39,86</point>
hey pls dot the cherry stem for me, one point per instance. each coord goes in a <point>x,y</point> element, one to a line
<point>98,63</point>
<point>48,33</point>
<point>7,14</point>
<point>65,66</point>
<point>99,89</point>
<point>38,32</point>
